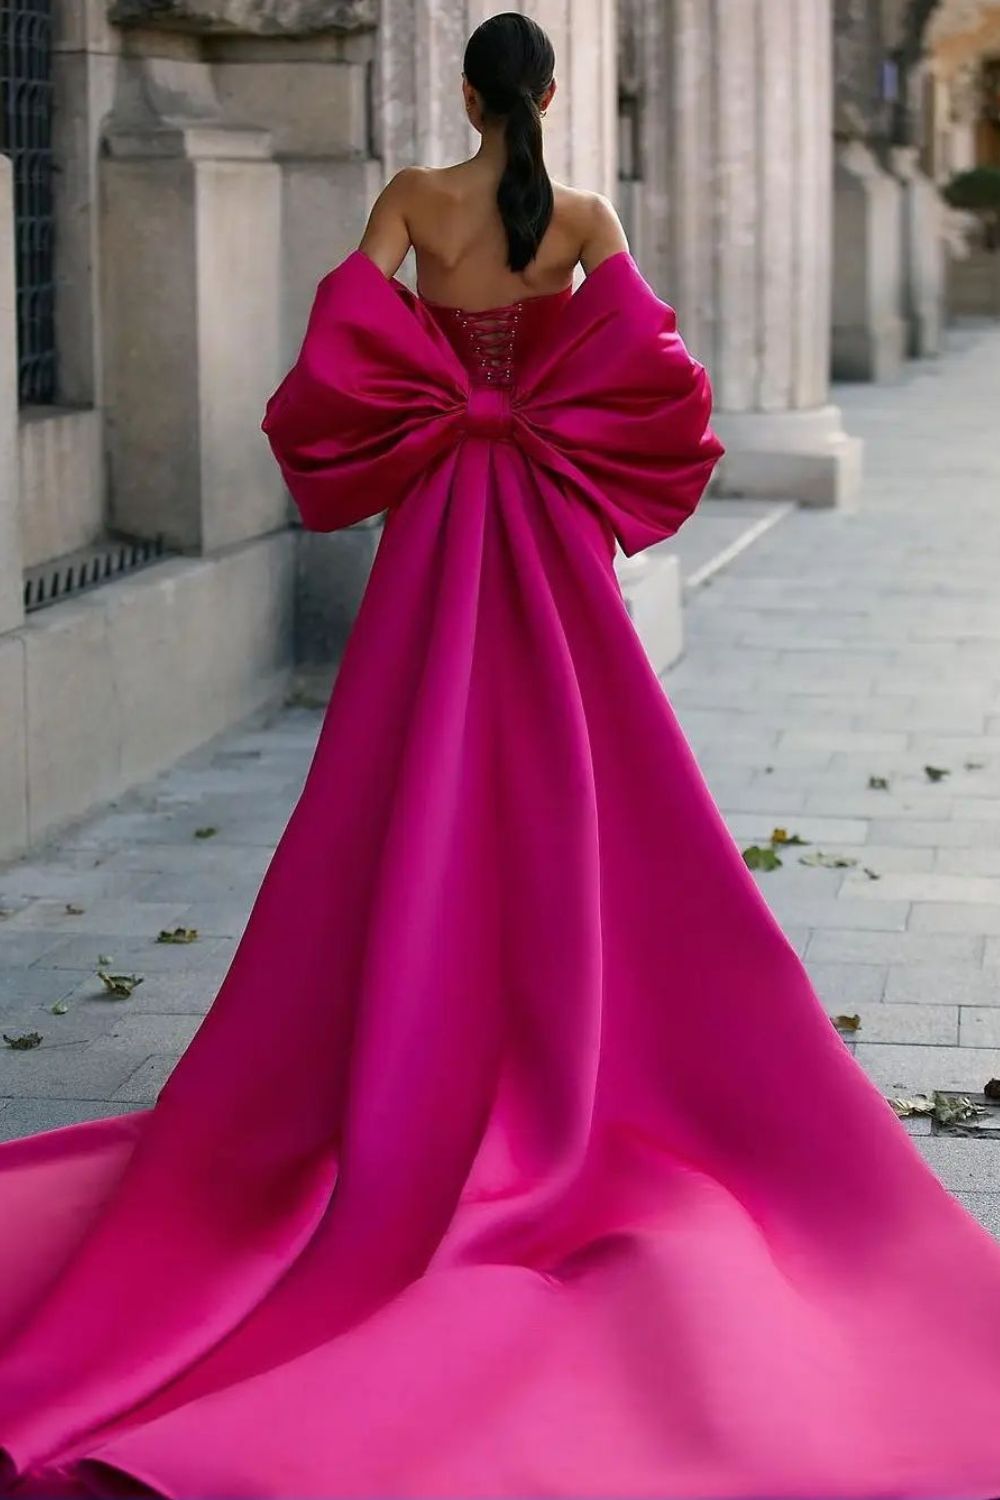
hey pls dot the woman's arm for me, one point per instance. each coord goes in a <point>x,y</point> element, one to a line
<point>387,235</point>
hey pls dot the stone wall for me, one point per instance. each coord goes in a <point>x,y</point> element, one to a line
<point>216,157</point>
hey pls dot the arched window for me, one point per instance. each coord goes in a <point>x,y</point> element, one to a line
<point>26,137</point>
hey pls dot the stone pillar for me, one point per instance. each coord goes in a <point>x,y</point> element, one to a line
<point>869,335</point>
<point>191,218</point>
<point>923,249</point>
<point>736,147</point>
<point>11,588</point>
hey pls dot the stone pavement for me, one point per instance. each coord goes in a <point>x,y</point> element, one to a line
<point>834,650</point>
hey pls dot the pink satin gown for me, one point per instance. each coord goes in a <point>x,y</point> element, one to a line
<point>516,1155</point>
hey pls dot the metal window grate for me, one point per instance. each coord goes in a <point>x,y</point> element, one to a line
<point>110,558</point>
<point>26,137</point>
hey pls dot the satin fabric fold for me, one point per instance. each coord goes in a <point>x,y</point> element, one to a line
<point>613,404</point>
<point>516,1155</point>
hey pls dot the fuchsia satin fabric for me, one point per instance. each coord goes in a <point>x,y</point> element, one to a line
<point>516,1155</point>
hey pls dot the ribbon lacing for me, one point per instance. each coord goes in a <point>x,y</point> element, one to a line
<point>490,341</point>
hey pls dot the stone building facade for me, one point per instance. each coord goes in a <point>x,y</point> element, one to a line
<point>208,161</point>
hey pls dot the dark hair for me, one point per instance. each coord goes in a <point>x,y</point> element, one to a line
<point>510,62</point>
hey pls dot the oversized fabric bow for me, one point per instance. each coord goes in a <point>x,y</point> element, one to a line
<point>613,404</point>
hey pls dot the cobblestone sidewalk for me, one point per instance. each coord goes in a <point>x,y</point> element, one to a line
<point>836,650</point>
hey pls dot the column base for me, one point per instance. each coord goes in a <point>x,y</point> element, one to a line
<point>651,586</point>
<point>795,455</point>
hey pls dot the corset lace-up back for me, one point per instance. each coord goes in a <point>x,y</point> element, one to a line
<point>492,344</point>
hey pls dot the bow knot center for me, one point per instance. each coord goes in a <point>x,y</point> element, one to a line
<point>489,413</point>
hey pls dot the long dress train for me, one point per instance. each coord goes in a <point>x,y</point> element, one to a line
<point>516,1155</point>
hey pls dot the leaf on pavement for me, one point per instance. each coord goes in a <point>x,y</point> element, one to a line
<point>756,858</point>
<point>847,1023</point>
<point>205,833</point>
<point>936,773</point>
<point>878,783</point>
<point>119,985</point>
<point>954,1111</point>
<point>24,1041</point>
<point>946,1109</point>
<point>72,910</point>
<point>827,861</point>
<point>917,1104</point>
<point>178,935</point>
<point>782,836</point>
<point>60,1008</point>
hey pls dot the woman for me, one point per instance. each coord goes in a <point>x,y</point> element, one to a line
<point>516,1155</point>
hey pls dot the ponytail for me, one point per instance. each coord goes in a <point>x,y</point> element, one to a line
<point>510,63</point>
<point>524,196</point>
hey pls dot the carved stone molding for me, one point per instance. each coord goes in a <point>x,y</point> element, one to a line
<point>247,17</point>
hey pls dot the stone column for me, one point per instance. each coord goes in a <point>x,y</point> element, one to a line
<point>191,218</point>
<point>868,330</point>
<point>11,587</point>
<point>736,146</point>
<point>869,335</point>
<point>923,246</point>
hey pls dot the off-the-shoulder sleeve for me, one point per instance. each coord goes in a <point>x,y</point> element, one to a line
<point>620,407</point>
<point>614,403</point>
<point>369,401</point>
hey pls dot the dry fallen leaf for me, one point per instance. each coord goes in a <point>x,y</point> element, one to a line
<point>756,858</point>
<point>878,783</point>
<point>946,1109</point>
<point>205,833</point>
<point>23,1042</point>
<point>178,935</point>
<point>72,910</point>
<point>992,1088</point>
<point>847,1023</point>
<point>782,836</point>
<point>828,861</point>
<point>936,773</point>
<point>119,985</point>
<point>954,1111</point>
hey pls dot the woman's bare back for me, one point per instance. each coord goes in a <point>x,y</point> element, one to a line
<point>450,217</point>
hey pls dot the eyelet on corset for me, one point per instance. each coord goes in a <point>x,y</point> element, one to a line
<point>489,343</point>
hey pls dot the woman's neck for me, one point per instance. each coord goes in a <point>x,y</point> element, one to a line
<point>493,149</point>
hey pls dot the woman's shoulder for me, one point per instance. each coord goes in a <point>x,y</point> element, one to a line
<point>590,219</point>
